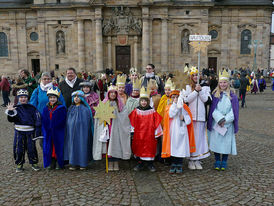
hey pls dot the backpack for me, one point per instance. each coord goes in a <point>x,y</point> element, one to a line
<point>236,83</point>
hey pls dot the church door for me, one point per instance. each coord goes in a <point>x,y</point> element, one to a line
<point>123,58</point>
<point>35,63</point>
<point>212,63</point>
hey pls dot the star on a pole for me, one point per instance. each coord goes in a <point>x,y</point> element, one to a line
<point>104,112</point>
<point>199,46</point>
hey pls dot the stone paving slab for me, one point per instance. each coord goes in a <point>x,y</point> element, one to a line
<point>247,181</point>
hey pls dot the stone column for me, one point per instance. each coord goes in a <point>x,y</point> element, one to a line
<point>145,37</point>
<point>135,59</point>
<point>42,43</point>
<point>81,45</point>
<point>99,39</point>
<point>109,52</point>
<point>164,45</point>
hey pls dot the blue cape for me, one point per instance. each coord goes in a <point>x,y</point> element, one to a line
<point>54,132</point>
<point>78,141</point>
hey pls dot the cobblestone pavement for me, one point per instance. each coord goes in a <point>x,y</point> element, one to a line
<point>247,181</point>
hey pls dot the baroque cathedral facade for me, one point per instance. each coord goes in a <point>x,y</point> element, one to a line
<point>92,35</point>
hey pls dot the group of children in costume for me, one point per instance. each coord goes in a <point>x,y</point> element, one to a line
<point>142,126</point>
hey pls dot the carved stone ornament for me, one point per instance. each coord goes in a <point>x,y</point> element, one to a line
<point>122,22</point>
<point>122,39</point>
<point>247,25</point>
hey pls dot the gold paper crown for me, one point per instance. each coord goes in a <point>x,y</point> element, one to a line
<point>133,70</point>
<point>168,83</point>
<point>193,70</point>
<point>136,84</point>
<point>112,87</point>
<point>152,83</point>
<point>121,80</point>
<point>223,75</point>
<point>54,92</point>
<point>144,92</point>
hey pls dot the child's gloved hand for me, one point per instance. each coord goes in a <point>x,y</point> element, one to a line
<point>180,101</point>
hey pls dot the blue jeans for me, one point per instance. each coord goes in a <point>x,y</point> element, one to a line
<point>218,157</point>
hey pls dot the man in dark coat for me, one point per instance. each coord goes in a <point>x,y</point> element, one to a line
<point>242,91</point>
<point>69,85</point>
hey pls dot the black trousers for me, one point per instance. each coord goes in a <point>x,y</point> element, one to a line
<point>23,142</point>
<point>5,95</point>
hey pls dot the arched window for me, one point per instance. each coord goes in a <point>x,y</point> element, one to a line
<point>245,41</point>
<point>3,45</point>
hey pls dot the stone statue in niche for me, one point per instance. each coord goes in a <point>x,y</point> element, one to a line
<point>185,42</point>
<point>60,42</point>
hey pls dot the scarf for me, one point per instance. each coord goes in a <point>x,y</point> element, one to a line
<point>150,75</point>
<point>71,83</point>
<point>46,87</point>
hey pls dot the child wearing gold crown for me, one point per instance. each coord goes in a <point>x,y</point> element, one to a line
<point>165,99</point>
<point>121,81</point>
<point>154,96</point>
<point>118,145</point>
<point>27,128</point>
<point>53,127</point>
<point>178,137</point>
<point>133,76</point>
<point>196,96</point>
<point>133,100</point>
<point>223,122</point>
<point>145,121</point>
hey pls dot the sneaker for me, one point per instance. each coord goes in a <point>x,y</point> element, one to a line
<point>72,168</point>
<point>191,165</point>
<point>217,165</point>
<point>179,169</point>
<point>19,168</point>
<point>110,166</point>
<point>172,169</point>
<point>151,168</point>
<point>139,167</point>
<point>223,166</point>
<point>198,165</point>
<point>116,166</point>
<point>35,167</point>
<point>83,168</point>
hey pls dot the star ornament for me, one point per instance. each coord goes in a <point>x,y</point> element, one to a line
<point>199,46</point>
<point>104,112</point>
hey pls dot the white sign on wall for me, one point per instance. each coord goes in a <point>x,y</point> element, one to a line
<point>199,37</point>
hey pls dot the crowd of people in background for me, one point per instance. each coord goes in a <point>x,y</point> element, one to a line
<point>154,120</point>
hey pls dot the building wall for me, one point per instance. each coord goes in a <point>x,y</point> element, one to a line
<point>46,21</point>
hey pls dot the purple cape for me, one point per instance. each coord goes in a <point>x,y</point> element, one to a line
<point>235,108</point>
